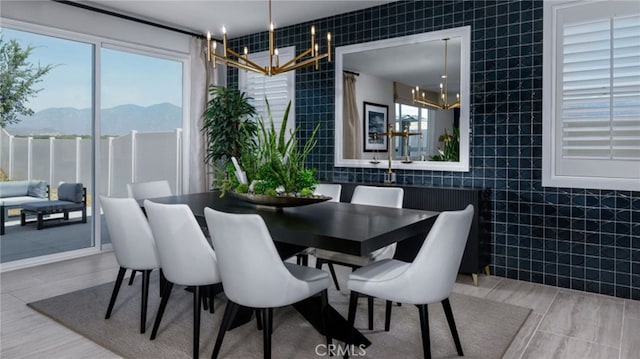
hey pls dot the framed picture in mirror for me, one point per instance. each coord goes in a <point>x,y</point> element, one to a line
<point>376,120</point>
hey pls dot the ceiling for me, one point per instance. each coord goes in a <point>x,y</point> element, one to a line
<point>412,65</point>
<point>240,17</point>
<point>417,64</point>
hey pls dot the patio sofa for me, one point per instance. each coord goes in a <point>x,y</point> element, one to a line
<point>72,197</point>
<point>13,194</point>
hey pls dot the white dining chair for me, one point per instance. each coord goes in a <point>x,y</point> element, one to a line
<point>332,190</point>
<point>322,189</point>
<point>133,245</point>
<point>144,190</point>
<point>428,279</point>
<point>186,258</point>
<point>150,189</point>
<point>254,275</point>
<point>371,196</point>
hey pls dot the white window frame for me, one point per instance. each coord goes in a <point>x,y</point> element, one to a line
<point>552,174</point>
<point>262,58</point>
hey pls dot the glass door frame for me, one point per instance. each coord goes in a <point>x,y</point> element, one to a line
<point>98,43</point>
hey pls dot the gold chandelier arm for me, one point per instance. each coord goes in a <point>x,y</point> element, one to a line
<point>300,64</point>
<point>428,103</point>
<point>295,59</point>
<point>453,105</point>
<point>245,59</point>
<point>234,59</point>
<point>239,65</point>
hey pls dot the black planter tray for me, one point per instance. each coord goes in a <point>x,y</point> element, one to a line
<point>278,201</point>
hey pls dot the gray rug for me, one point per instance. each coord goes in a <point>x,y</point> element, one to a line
<point>486,328</point>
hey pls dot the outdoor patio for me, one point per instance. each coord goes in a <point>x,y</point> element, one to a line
<point>27,242</point>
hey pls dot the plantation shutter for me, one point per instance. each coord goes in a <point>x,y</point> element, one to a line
<point>278,89</point>
<point>597,93</point>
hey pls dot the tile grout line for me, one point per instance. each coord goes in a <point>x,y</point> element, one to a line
<point>578,339</point>
<point>624,311</point>
<point>537,329</point>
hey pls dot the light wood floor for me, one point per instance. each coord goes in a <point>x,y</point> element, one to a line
<point>564,323</point>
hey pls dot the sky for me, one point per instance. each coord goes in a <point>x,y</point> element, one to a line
<point>127,78</point>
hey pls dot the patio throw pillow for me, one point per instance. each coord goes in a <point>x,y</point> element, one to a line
<point>71,192</point>
<point>14,188</point>
<point>37,189</point>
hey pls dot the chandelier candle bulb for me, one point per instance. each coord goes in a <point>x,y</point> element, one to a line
<point>208,46</point>
<point>224,40</point>
<point>271,39</point>
<point>306,58</point>
<point>313,40</point>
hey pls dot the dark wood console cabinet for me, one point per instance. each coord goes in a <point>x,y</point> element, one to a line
<point>477,254</point>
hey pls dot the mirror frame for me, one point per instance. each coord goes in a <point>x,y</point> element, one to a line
<point>465,69</point>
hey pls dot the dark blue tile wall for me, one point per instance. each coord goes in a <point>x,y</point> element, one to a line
<point>585,239</point>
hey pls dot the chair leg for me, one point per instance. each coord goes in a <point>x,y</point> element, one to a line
<point>353,306</point>
<point>163,283</point>
<point>259,318</point>
<point>387,315</point>
<point>132,277</point>
<point>204,296</point>
<point>446,305</point>
<point>333,275</point>
<point>211,299</point>
<point>146,274</point>
<point>116,289</point>
<point>229,314</point>
<point>266,332</point>
<point>163,305</point>
<point>302,259</point>
<point>424,328</point>
<point>324,309</point>
<point>370,312</point>
<point>196,321</point>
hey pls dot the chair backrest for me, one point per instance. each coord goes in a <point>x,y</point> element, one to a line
<point>329,190</point>
<point>438,260</point>
<point>131,236</point>
<point>152,189</point>
<point>252,271</point>
<point>72,192</point>
<point>185,255</point>
<point>378,196</point>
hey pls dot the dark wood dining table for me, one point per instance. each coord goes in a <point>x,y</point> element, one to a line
<point>337,226</point>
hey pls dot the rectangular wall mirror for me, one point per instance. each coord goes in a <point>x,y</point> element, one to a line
<point>405,99</point>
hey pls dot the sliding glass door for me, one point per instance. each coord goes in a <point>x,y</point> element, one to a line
<point>137,127</point>
<point>141,120</point>
<point>52,144</point>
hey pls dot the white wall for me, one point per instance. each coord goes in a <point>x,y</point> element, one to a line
<point>379,91</point>
<point>65,17</point>
<point>442,119</point>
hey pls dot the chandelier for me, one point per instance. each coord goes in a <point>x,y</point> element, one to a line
<point>443,99</point>
<point>309,57</point>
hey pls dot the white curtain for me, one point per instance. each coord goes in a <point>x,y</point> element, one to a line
<point>352,128</point>
<point>202,76</point>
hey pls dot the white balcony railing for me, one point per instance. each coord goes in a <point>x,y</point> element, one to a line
<point>134,157</point>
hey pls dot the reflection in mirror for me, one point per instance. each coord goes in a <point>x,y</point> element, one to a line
<point>403,102</point>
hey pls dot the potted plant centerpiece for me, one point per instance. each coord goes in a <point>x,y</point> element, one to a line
<point>271,170</point>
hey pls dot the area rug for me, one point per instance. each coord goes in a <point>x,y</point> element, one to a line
<point>486,328</point>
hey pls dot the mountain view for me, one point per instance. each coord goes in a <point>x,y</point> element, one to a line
<point>119,120</point>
